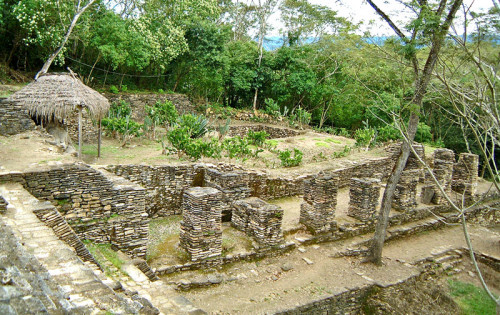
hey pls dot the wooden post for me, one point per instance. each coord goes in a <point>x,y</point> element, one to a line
<point>80,131</point>
<point>99,140</point>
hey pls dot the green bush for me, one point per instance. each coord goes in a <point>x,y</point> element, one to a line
<point>272,108</point>
<point>196,124</point>
<point>162,112</point>
<point>236,147</point>
<point>423,134</point>
<point>124,88</point>
<point>257,138</point>
<point>180,138</point>
<point>364,137</point>
<point>122,125</point>
<point>119,109</point>
<point>303,116</point>
<point>287,160</point>
<point>113,89</point>
<point>388,132</point>
<point>343,153</point>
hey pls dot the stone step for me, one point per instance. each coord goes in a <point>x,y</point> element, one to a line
<point>86,291</point>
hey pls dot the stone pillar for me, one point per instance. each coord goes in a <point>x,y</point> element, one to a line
<point>233,185</point>
<point>201,226</point>
<point>405,196</point>
<point>364,194</point>
<point>443,169</point>
<point>258,219</point>
<point>464,180</point>
<point>412,163</point>
<point>317,211</point>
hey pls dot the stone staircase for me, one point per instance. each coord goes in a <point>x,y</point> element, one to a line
<point>79,282</point>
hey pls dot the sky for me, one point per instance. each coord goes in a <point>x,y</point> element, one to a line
<point>360,11</point>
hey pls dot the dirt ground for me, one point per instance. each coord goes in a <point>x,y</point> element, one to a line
<point>264,287</point>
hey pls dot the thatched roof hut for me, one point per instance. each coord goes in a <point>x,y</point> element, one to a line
<point>54,97</point>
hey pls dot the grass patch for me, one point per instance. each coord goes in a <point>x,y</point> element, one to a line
<point>164,236</point>
<point>322,144</point>
<point>103,253</point>
<point>331,140</point>
<point>471,299</point>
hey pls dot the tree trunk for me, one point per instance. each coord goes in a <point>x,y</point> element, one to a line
<point>51,58</point>
<point>422,81</point>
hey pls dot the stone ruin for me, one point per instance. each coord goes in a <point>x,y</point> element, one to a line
<point>259,220</point>
<point>443,161</point>
<point>465,175</point>
<point>317,211</point>
<point>405,196</point>
<point>233,185</point>
<point>364,194</point>
<point>201,225</point>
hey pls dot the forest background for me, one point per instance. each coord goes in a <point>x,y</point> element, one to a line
<point>217,53</point>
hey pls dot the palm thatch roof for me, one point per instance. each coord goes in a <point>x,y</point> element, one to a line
<point>57,95</point>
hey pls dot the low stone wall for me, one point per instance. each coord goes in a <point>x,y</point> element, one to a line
<point>14,119</point>
<point>99,206</point>
<point>274,132</point>
<point>465,175</point>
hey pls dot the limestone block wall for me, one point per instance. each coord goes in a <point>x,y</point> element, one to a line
<point>317,211</point>
<point>405,196</point>
<point>99,206</point>
<point>465,175</point>
<point>259,220</point>
<point>233,185</point>
<point>164,184</point>
<point>274,132</point>
<point>363,194</point>
<point>14,119</point>
<point>443,161</point>
<point>201,225</point>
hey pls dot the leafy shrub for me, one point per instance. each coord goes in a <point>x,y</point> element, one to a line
<point>223,129</point>
<point>113,89</point>
<point>180,138</point>
<point>343,153</point>
<point>364,137</point>
<point>196,124</point>
<point>122,125</point>
<point>388,132</point>
<point>120,109</point>
<point>257,137</point>
<point>162,112</point>
<point>423,134</point>
<point>287,160</point>
<point>124,88</point>
<point>272,108</point>
<point>303,116</point>
<point>236,147</point>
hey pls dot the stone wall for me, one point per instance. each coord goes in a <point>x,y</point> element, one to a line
<point>363,198</point>
<point>259,220</point>
<point>465,175</point>
<point>274,132</point>
<point>165,185</point>
<point>14,119</point>
<point>443,161</point>
<point>317,211</point>
<point>405,195</point>
<point>201,225</point>
<point>99,206</point>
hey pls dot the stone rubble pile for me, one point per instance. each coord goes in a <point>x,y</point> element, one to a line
<point>317,211</point>
<point>201,225</point>
<point>259,220</point>
<point>364,194</point>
